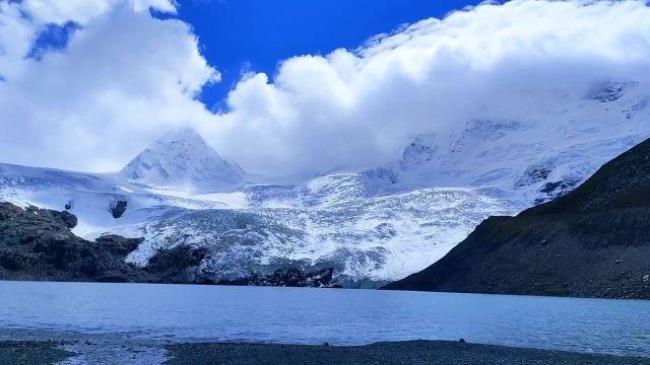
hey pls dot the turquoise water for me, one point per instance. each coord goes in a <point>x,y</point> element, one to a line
<point>314,316</point>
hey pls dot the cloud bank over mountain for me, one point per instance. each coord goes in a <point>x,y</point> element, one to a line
<point>125,76</point>
<point>351,109</point>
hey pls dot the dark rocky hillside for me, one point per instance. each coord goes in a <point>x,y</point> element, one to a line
<point>592,242</point>
<point>37,244</point>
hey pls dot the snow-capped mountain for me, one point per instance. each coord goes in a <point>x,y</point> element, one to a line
<point>526,156</point>
<point>181,159</point>
<point>371,226</point>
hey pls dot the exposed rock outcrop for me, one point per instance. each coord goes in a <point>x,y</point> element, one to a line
<point>592,242</point>
<point>117,208</point>
<point>37,244</point>
<point>177,264</point>
<point>291,277</point>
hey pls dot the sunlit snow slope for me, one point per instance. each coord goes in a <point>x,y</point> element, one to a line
<point>181,159</point>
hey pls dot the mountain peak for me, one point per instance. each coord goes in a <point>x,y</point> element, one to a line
<point>182,159</point>
<point>181,134</point>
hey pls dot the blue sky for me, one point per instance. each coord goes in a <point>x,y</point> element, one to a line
<point>237,35</point>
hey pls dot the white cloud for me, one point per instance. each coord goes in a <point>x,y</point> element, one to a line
<point>125,77</point>
<point>353,109</point>
<point>16,36</point>
<point>83,11</point>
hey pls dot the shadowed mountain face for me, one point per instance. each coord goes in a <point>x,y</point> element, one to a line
<point>593,242</point>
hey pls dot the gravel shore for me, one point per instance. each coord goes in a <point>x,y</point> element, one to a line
<point>31,352</point>
<point>407,353</point>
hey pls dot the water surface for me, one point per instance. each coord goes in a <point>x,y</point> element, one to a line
<point>314,316</point>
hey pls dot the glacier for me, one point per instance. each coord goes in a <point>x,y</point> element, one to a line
<point>371,226</point>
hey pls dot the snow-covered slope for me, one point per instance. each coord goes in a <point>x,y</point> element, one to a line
<point>330,221</point>
<point>181,159</point>
<point>367,240</point>
<point>371,226</point>
<point>93,196</point>
<point>533,156</point>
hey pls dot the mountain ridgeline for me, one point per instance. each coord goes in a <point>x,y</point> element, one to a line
<point>592,242</point>
<point>368,227</point>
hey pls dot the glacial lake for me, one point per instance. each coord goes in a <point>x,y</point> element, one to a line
<point>313,316</point>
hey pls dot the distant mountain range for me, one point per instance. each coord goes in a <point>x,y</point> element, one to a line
<point>369,227</point>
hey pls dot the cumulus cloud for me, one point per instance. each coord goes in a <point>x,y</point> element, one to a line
<point>355,108</point>
<point>125,77</point>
